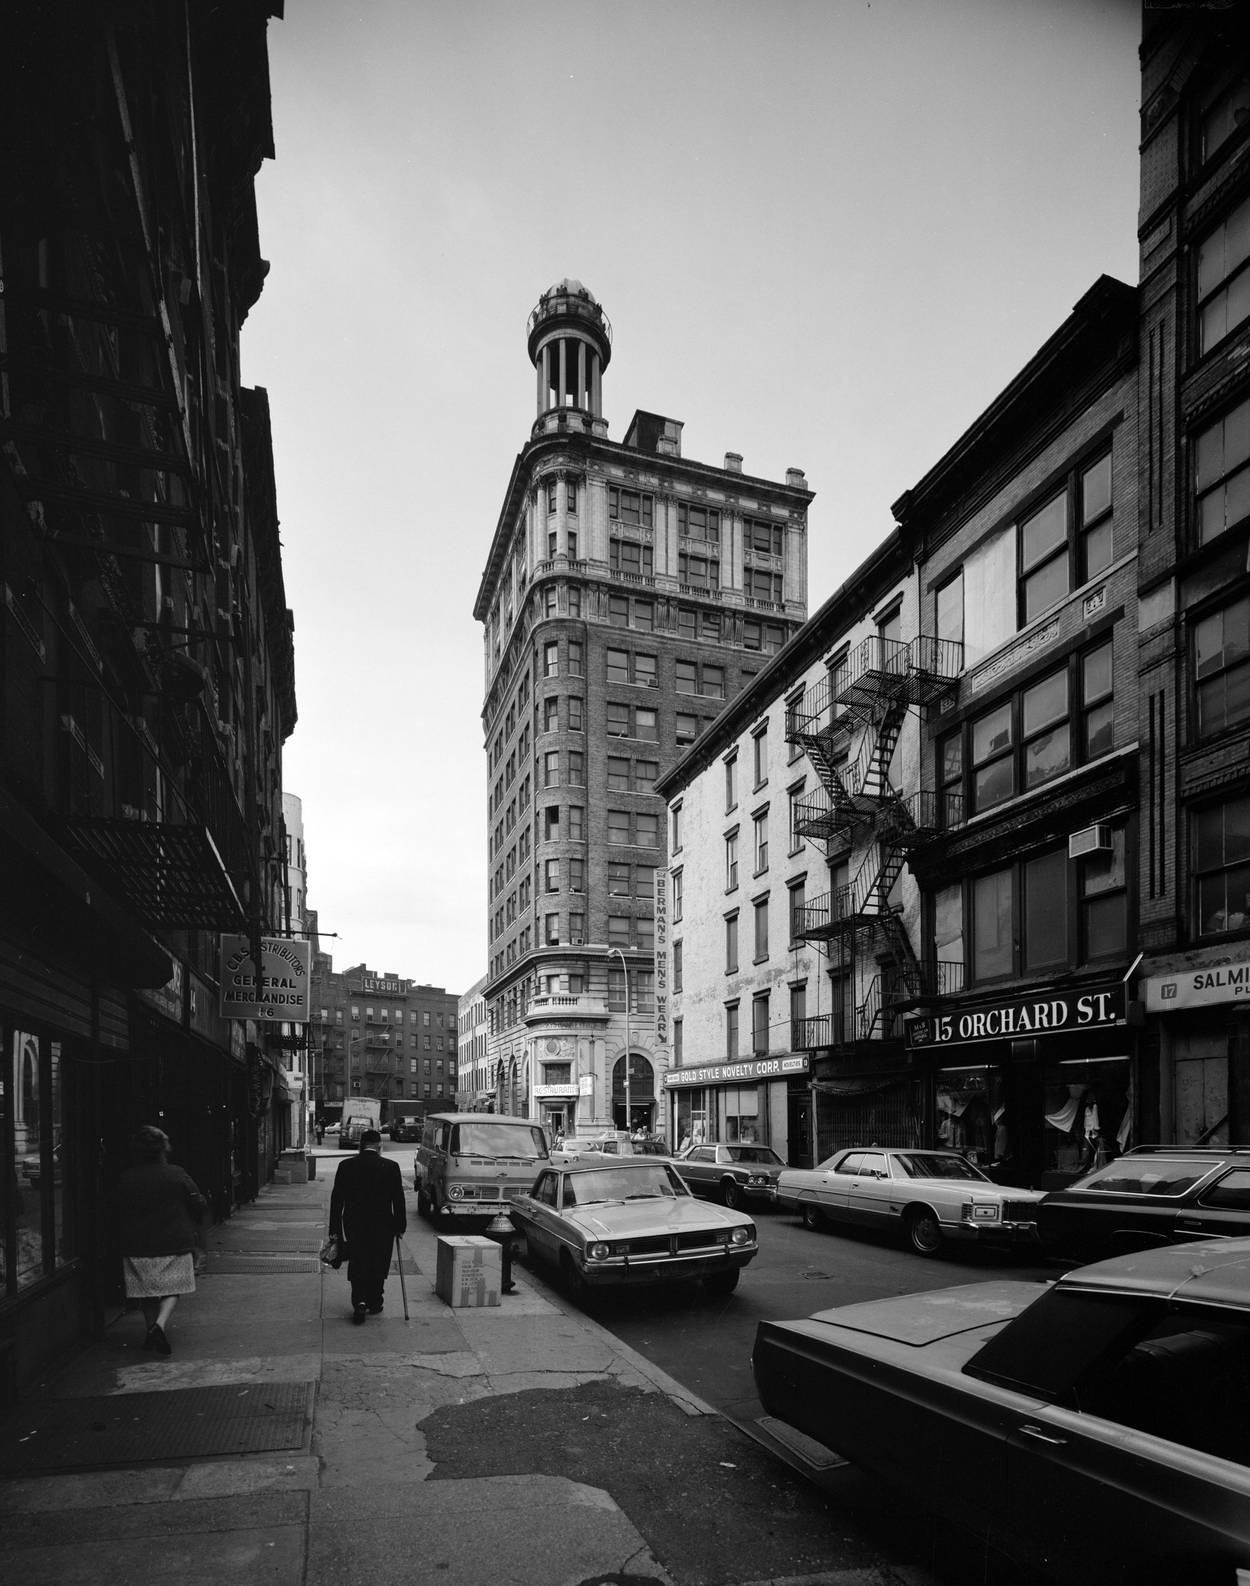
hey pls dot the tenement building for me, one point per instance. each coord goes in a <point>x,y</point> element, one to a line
<point>1194,576</point>
<point>146,653</point>
<point>379,1035</point>
<point>628,594</point>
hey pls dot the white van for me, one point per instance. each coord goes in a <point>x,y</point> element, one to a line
<point>471,1164</point>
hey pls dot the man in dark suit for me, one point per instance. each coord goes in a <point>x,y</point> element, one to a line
<point>367,1214</point>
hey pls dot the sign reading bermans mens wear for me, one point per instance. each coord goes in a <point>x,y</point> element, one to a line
<point>738,1073</point>
<point>1044,1013</point>
<point>280,991</point>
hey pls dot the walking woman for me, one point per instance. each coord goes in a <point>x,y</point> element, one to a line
<point>161,1211</point>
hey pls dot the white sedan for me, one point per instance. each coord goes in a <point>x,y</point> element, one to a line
<point>931,1197</point>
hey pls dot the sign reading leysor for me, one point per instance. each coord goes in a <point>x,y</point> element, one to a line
<point>1050,1013</point>
<point>280,991</point>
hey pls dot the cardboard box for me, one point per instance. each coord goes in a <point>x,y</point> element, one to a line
<point>469,1271</point>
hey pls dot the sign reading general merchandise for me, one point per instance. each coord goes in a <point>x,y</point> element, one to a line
<point>738,1073</point>
<point>1046,1013</point>
<point>281,991</point>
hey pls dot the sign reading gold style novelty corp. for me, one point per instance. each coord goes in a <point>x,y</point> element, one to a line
<point>280,992</point>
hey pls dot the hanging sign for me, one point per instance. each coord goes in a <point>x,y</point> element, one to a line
<point>281,991</point>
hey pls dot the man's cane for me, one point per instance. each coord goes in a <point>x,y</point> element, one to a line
<point>399,1262</point>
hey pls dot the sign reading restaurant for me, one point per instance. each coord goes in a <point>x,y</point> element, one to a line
<point>737,1073</point>
<point>280,991</point>
<point>1052,1013</point>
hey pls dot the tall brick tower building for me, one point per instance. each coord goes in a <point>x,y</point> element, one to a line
<point>628,593</point>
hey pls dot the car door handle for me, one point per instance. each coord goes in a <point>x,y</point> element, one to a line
<point>1040,1436</point>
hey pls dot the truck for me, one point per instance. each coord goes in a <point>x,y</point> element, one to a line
<point>406,1120</point>
<point>360,1113</point>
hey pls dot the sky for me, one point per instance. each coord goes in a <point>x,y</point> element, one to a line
<point>827,234</point>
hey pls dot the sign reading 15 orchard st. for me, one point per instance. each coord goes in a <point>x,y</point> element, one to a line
<point>280,992</point>
<point>1051,1013</point>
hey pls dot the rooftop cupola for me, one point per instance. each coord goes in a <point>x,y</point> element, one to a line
<point>570,345</point>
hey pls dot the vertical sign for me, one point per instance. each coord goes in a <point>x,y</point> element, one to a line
<point>661,961</point>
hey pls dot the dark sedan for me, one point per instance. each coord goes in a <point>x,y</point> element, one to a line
<point>1093,1428</point>
<point>1153,1195</point>
<point>733,1174</point>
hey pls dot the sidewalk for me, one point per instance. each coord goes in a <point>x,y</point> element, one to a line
<point>521,1445</point>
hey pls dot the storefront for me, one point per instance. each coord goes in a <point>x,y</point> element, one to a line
<point>1037,1088</point>
<point>750,1102</point>
<point>1198,1016</point>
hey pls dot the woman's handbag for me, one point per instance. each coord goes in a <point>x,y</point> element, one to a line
<point>332,1253</point>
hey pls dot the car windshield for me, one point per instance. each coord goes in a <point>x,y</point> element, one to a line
<point>755,1153</point>
<point>1147,1175</point>
<point>622,1184</point>
<point>929,1164</point>
<point>497,1139</point>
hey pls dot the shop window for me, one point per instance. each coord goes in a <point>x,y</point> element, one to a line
<point>36,1224</point>
<point>1221,835</point>
<point>731,1032</point>
<point>1222,668</point>
<point>742,1114</point>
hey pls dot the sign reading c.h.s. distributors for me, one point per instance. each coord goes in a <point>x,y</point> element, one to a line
<point>281,992</point>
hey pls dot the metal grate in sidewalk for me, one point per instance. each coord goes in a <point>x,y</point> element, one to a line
<point>140,1428</point>
<point>236,1265</point>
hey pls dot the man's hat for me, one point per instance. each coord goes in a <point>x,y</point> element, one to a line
<point>369,1138</point>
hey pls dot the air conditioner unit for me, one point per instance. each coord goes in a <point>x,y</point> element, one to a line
<point>1091,840</point>
<point>575,941</point>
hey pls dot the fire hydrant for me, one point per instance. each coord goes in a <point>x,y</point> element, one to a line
<point>502,1232</point>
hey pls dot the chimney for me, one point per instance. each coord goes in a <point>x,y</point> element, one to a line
<point>733,462</point>
<point>796,478</point>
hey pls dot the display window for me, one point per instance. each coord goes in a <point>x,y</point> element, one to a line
<point>34,1237</point>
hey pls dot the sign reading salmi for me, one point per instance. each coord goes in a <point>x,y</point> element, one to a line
<point>737,1073</point>
<point>1196,988</point>
<point>1051,1013</point>
<point>280,992</point>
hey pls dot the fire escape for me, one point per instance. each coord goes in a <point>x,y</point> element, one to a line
<point>120,585</point>
<point>862,705</point>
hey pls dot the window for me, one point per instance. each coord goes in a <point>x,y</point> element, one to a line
<point>731,943</point>
<point>731,1032</point>
<point>1045,935</point>
<point>577,768</point>
<point>686,727</point>
<point>551,875</point>
<point>551,930</point>
<point>647,829</point>
<point>551,715</point>
<point>618,774</point>
<point>577,875</point>
<point>766,636</point>
<point>577,823</point>
<point>630,558</point>
<point>575,658</point>
<point>676,827</point>
<point>760,830</point>
<point>1104,901</point>
<point>950,610</point>
<point>1095,506</point>
<point>798,1016</point>
<point>619,720</point>
<point>630,506</point>
<point>759,1024</point>
<point>646,674</point>
<point>618,666</point>
<point>1044,557</point>
<point>798,903</point>
<point>794,815</point>
<point>646,775</point>
<point>1224,278</point>
<point>760,909</point>
<point>620,930</point>
<point>1222,668</point>
<point>763,539</point>
<point>551,769</point>
<point>618,611</point>
<point>618,878</point>
<point>677,1042</point>
<point>731,860</point>
<point>1044,723</point>
<point>731,782</point>
<point>551,823</point>
<point>1222,865</point>
<point>992,909</point>
<point>699,572</point>
<point>1222,473</point>
<point>677,968</point>
<point>685,678</point>
<point>697,522</point>
<point>1097,705</point>
<point>575,704</point>
<point>551,660</point>
<point>759,749</point>
<point>993,764</point>
<point>675,895</point>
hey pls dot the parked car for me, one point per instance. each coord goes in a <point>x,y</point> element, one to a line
<point>932,1197</point>
<point>1092,1428</point>
<point>572,1146</point>
<point>470,1165</point>
<point>732,1173</point>
<point>621,1144</point>
<point>1152,1195</point>
<point>606,1221</point>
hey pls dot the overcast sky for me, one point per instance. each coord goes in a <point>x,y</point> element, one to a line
<point>827,234</point>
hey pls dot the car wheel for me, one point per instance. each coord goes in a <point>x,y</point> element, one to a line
<point>722,1282</point>
<point>575,1285</point>
<point>924,1231</point>
<point>812,1215</point>
<point>730,1194</point>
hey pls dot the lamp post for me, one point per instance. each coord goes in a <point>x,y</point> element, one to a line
<point>625,969</point>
